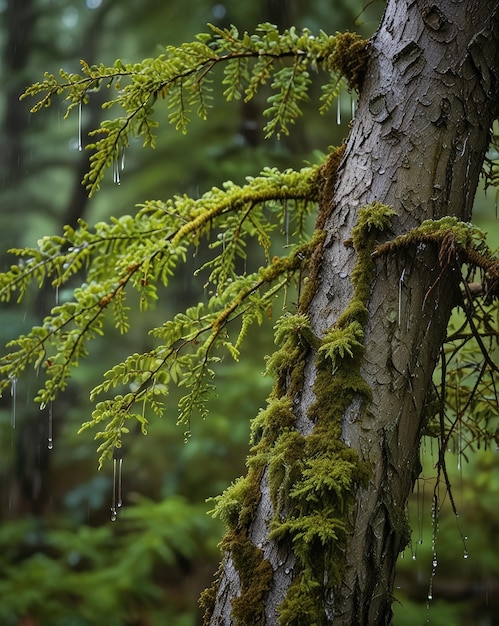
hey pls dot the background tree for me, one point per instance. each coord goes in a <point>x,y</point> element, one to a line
<point>343,346</point>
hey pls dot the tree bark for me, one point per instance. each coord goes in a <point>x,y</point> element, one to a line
<point>417,144</point>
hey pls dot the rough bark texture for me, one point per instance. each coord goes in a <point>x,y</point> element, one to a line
<point>417,144</point>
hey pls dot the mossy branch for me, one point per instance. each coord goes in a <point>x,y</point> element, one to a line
<point>140,253</point>
<point>182,76</point>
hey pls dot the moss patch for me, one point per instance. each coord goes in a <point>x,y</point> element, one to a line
<point>255,576</point>
<point>350,58</point>
<point>313,480</point>
<point>313,514</point>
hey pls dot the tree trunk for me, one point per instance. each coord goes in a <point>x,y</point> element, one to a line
<point>417,144</point>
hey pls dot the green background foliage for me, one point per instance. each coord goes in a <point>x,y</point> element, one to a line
<point>63,562</point>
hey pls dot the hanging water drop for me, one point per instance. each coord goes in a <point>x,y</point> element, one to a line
<point>434,562</point>
<point>338,111</point>
<point>113,502</point>
<point>13,394</point>
<point>122,159</point>
<point>116,172</point>
<point>80,142</point>
<point>117,500</point>
<point>420,508</point>
<point>50,440</point>
<point>459,443</point>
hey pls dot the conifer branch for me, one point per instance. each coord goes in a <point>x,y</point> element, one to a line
<point>182,77</point>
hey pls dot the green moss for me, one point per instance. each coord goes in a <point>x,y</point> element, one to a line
<point>313,480</point>
<point>326,182</point>
<point>236,507</point>
<point>229,504</point>
<point>313,514</point>
<point>285,465</point>
<point>275,419</point>
<point>255,577</point>
<point>302,606</point>
<point>465,235</point>
<point>350,58</point>
<point>287,364</point>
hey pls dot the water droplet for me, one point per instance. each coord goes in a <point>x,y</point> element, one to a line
<point>353,106</point>
<point>117,501</point>
<point>80,142</point>
<point>430,596</point>
<point>434,562</point>
<point>120,469</point>
<point>413,557</point>
<point>465,555</point>
<point>287,570</point>
<point>343,274</point>
<point>50,440</point>
<point>13,393</point>
<point>338,111</point>
<point>116,172</point>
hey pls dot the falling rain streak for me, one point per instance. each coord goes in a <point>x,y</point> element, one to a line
<point>117,501</point>
<point>435,510</point>
<point>338,111</point>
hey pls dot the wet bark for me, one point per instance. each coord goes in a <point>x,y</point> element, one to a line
<point>417,144</point>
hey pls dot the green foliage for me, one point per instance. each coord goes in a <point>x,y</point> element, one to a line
<point>183,77</point>
<point>466,381</point>
<point>340,342</point>
<point>140,253</point>
<point>101,571</point>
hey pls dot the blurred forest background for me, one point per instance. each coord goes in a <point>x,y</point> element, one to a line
<point>62,561</point>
